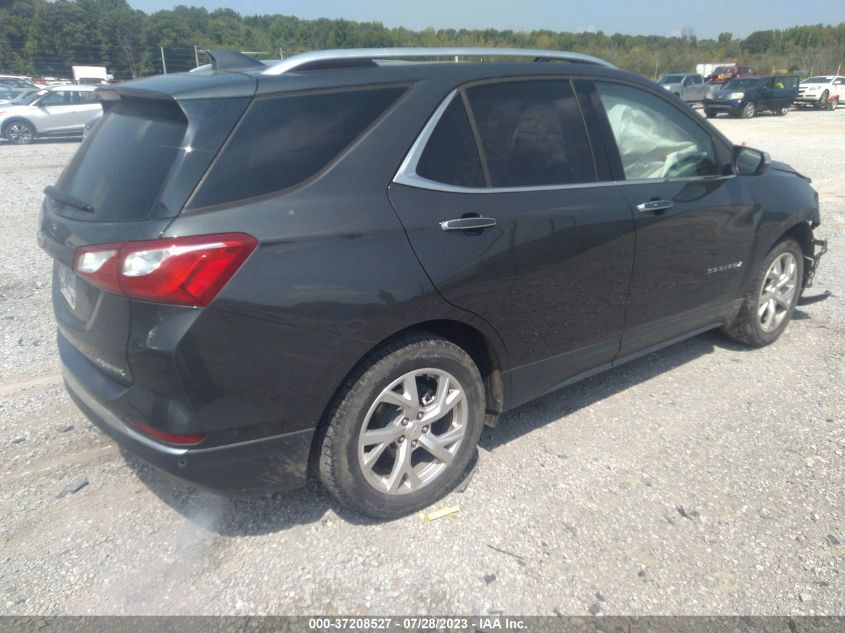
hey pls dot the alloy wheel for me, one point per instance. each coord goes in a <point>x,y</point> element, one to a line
<point>823,100</point>
<point>412,431</point>
<point>19,133</point>
<point>750,110</point>
<point>778,292</point>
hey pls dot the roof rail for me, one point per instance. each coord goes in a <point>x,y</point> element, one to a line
<point>367,56</point>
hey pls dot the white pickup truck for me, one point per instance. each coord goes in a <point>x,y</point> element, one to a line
<point>824,91</point>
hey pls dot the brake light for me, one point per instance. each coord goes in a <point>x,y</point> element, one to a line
<point>180,270</point>
<point>171,438</point>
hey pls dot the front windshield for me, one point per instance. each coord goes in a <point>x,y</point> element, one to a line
<point>741,84</point>
<point>671,79</point>
<point>816,80</point>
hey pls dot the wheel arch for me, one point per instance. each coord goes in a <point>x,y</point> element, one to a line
<point>484,352</point>
<point>802,233</point>
<point>17,119</point>
<point>481,349</point>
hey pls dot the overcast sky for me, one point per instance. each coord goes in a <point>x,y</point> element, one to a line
<point>658,17</point>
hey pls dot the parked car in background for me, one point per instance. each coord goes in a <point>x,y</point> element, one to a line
<point>90,125</point>
<point>59,111</point>
<point>7,93</point>
<point>17,83</point>
<point>746,97</point>
<point>823,92</point>
<point>22,97</point>
<point>350,271</point>
<point>722,74</point>
<point>51,81</point>
<point>689,87</point>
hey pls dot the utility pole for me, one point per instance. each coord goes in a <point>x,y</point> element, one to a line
<point>196,56</point>
<point>163,63</point>
<point>281,54</point>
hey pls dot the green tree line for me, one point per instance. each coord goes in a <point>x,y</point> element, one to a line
<point>40,37</point>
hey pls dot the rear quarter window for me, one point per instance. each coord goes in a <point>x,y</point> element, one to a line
<point>284,140</point>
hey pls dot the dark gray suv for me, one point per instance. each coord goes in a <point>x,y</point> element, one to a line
<point>356,263</point>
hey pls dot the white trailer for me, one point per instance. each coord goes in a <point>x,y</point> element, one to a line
<point>90,75</point>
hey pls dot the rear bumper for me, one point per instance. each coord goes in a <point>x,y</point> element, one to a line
<point>277,462</point>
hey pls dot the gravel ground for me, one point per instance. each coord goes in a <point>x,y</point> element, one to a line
<point>702,479</point>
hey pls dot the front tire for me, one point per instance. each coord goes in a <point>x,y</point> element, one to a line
<point>771,296</point>
<point>403,429</point>
<point>749,110</point>
<point>824,102</point>
<point>19,133</point>
<point>710,114</point>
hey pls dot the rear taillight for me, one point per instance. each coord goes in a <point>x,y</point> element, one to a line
<point>170,438</point>
<point>181,270</point>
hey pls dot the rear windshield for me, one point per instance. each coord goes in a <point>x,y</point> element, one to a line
<point>121,167</point>
<point>284,140</point>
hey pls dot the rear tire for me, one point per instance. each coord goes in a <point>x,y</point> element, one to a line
<point>782,111</point>
<point>771,296</point>
<point>834,104</point>
<point>710,114</point>
<point>403,428</point>
<point>19,132</point>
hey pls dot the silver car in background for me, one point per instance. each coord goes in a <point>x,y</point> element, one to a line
<point>59,111</point>
<point>689,87</point>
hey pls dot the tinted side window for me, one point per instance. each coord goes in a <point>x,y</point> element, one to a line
<point>54,97</point>
<point>655,139</point>
<point>283,140</point>
<point>532,133</point>
<point>86,96</point>
<point>450,156</point>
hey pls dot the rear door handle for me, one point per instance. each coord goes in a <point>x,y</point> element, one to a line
<point>654,205</point>
<point>467,224</point>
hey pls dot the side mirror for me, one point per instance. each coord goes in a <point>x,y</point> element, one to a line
<point>750,162</point>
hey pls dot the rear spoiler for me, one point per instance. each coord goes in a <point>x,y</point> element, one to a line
<point>226,59</point>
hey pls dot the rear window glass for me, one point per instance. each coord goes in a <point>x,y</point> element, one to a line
<point>121,168</point>
<point>532,133</point>
<point>451,156</point>
<point>282,141</point>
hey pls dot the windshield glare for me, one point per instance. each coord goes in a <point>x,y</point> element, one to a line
<point>671,79</point>
<point>25,98</point>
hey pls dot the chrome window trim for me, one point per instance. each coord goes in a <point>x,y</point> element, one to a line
<point>407,172</point>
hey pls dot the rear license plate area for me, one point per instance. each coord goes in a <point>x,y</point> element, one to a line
<point>67,285</point>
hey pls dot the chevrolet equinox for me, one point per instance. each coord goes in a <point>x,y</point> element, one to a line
<point>353,261</point>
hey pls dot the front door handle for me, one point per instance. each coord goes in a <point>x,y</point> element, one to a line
<point>654,206</point>
<point>467,224</point>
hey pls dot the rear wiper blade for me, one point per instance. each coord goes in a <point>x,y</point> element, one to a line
<point>65,198</point>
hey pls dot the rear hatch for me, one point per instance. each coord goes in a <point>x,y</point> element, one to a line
<point>128,180</point>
